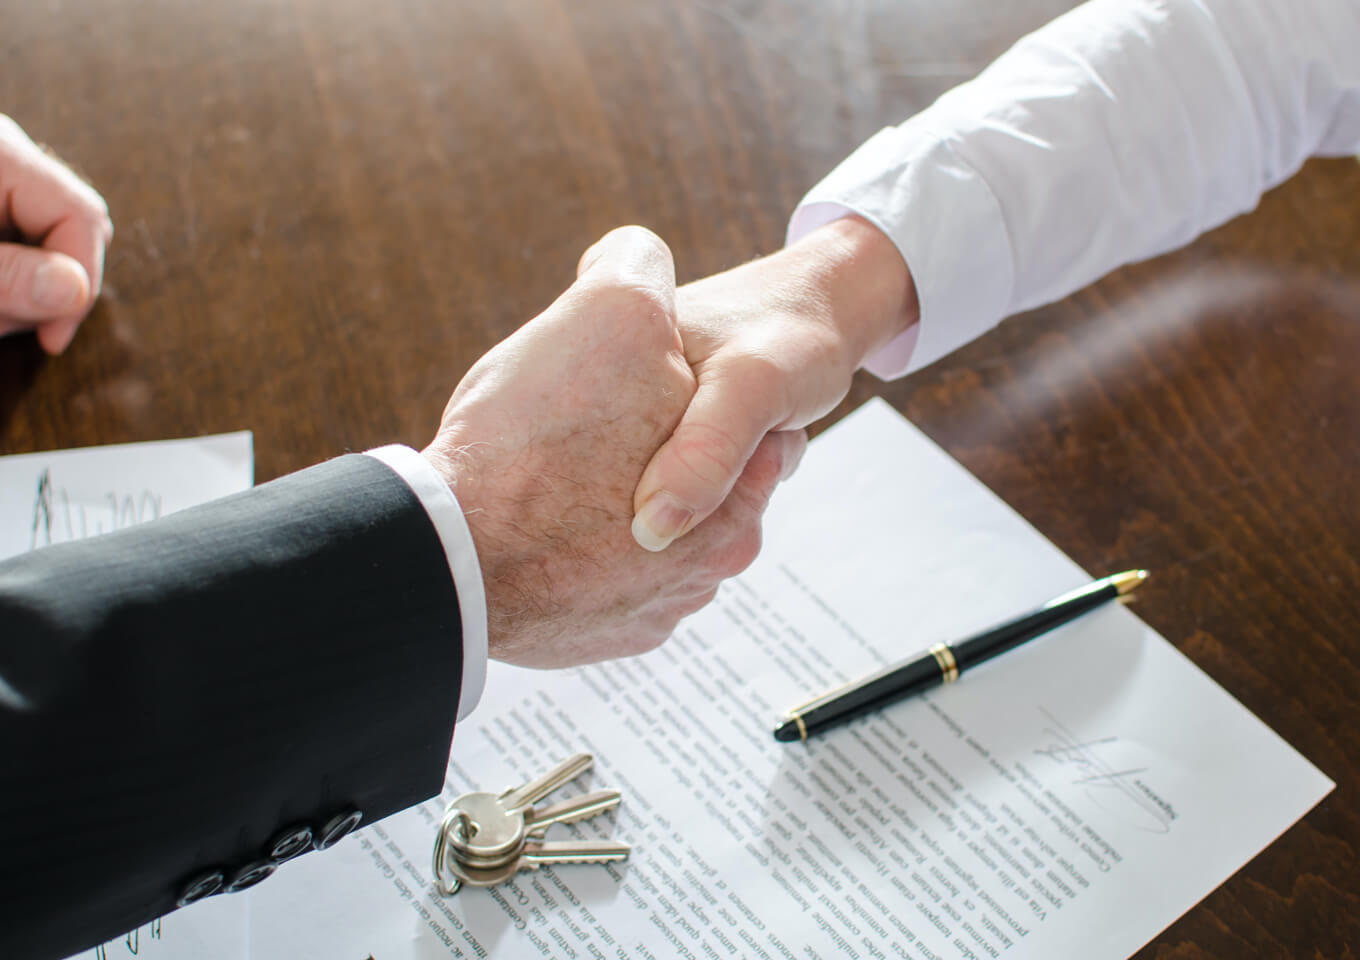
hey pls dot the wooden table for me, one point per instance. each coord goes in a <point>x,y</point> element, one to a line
<point>327,209</point>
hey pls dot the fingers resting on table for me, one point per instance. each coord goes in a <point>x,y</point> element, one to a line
<point>54,230</point>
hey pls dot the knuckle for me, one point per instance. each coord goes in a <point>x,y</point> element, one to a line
<point>637,264</point>
<point>697,603</point>
<point>761,476</point>
<point>639,238</point>
<point>648,637</point>
<point>707,452</point>
<point>89,206</point>
<point>630,300</point>
<point>644,299</point>
<point>742,552</point>
<point>103,220</point>
<point>792,452</point>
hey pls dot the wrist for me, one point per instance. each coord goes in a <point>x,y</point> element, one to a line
<point>499,520</point>
<point>867,288</point>
<point>443,465</point>
<point>449,460</point>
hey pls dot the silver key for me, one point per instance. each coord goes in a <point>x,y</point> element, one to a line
<point>534,823</point>
<point>587,805</point>
<point>498,824</point>
<point>485,839</point>
<point>538,853</point>
<point>556,778</point>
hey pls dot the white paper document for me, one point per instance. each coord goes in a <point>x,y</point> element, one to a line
<point>63,495</point>
<point>1069,799</point>
<point>66,495</point>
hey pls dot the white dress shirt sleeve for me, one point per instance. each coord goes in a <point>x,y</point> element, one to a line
<point>447,516</point>
<point>1119,131</point>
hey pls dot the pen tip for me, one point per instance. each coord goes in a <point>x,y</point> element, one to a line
<point>786,732</point>
<point>1128,581</point>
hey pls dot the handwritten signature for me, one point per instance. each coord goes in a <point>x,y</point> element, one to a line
<point>56,519</point>
<point>1122,792</point>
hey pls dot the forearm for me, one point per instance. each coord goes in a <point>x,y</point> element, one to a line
<point>1117,132</point>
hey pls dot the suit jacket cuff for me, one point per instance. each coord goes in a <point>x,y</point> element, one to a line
<point>447,518</point>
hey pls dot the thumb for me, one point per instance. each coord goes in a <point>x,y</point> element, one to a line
<point>629,256</point>
<point>692,473</point>
<point>38,285</point>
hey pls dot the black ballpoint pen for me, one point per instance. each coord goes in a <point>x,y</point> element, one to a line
<point>944,662</point>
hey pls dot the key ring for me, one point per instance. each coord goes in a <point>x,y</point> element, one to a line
<point>451,816</point>
<point>499,835</point>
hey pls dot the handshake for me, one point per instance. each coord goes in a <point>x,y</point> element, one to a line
<point>628,415</point>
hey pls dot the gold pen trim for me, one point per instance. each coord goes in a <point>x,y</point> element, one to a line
<point>802,727</point>
<point>944,657</point>
<point>1124,584</point>
<point>1128,581</point>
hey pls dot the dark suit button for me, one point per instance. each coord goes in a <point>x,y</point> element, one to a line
<point>290,843</point>
<point>250,874</point>
<point>336,827</point>
<point>203,885</point>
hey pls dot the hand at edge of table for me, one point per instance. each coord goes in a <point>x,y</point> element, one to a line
<point>54,229</point>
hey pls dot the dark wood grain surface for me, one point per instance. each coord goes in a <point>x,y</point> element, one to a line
<point>327,209</point>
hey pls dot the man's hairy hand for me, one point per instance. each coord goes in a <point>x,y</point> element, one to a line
<point>54,229</point>
<point>544,442</point>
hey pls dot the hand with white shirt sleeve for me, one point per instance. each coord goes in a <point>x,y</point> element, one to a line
<point>1121,130</point>
<point>773,344</point>
<point>543,443</point>
<point>54,229</point>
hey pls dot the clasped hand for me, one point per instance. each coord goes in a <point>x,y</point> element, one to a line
<point>628,415</point>
<point>543,443</point>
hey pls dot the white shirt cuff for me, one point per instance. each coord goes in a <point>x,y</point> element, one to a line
<point>893,359</point>
<point>945,222</point>
<point>447,516</point>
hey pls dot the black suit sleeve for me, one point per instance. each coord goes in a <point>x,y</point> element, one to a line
<point>177,697</point>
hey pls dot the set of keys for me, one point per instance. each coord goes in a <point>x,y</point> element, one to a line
<point>487,838</point>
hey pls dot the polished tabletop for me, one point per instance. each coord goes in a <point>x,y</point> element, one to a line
<point>327,209</point>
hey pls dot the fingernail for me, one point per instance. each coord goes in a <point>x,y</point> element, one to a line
<point>660,521</point>
<point>58,287</point>
<point>57,342</point>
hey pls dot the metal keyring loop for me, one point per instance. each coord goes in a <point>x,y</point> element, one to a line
<point>452,816</point>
